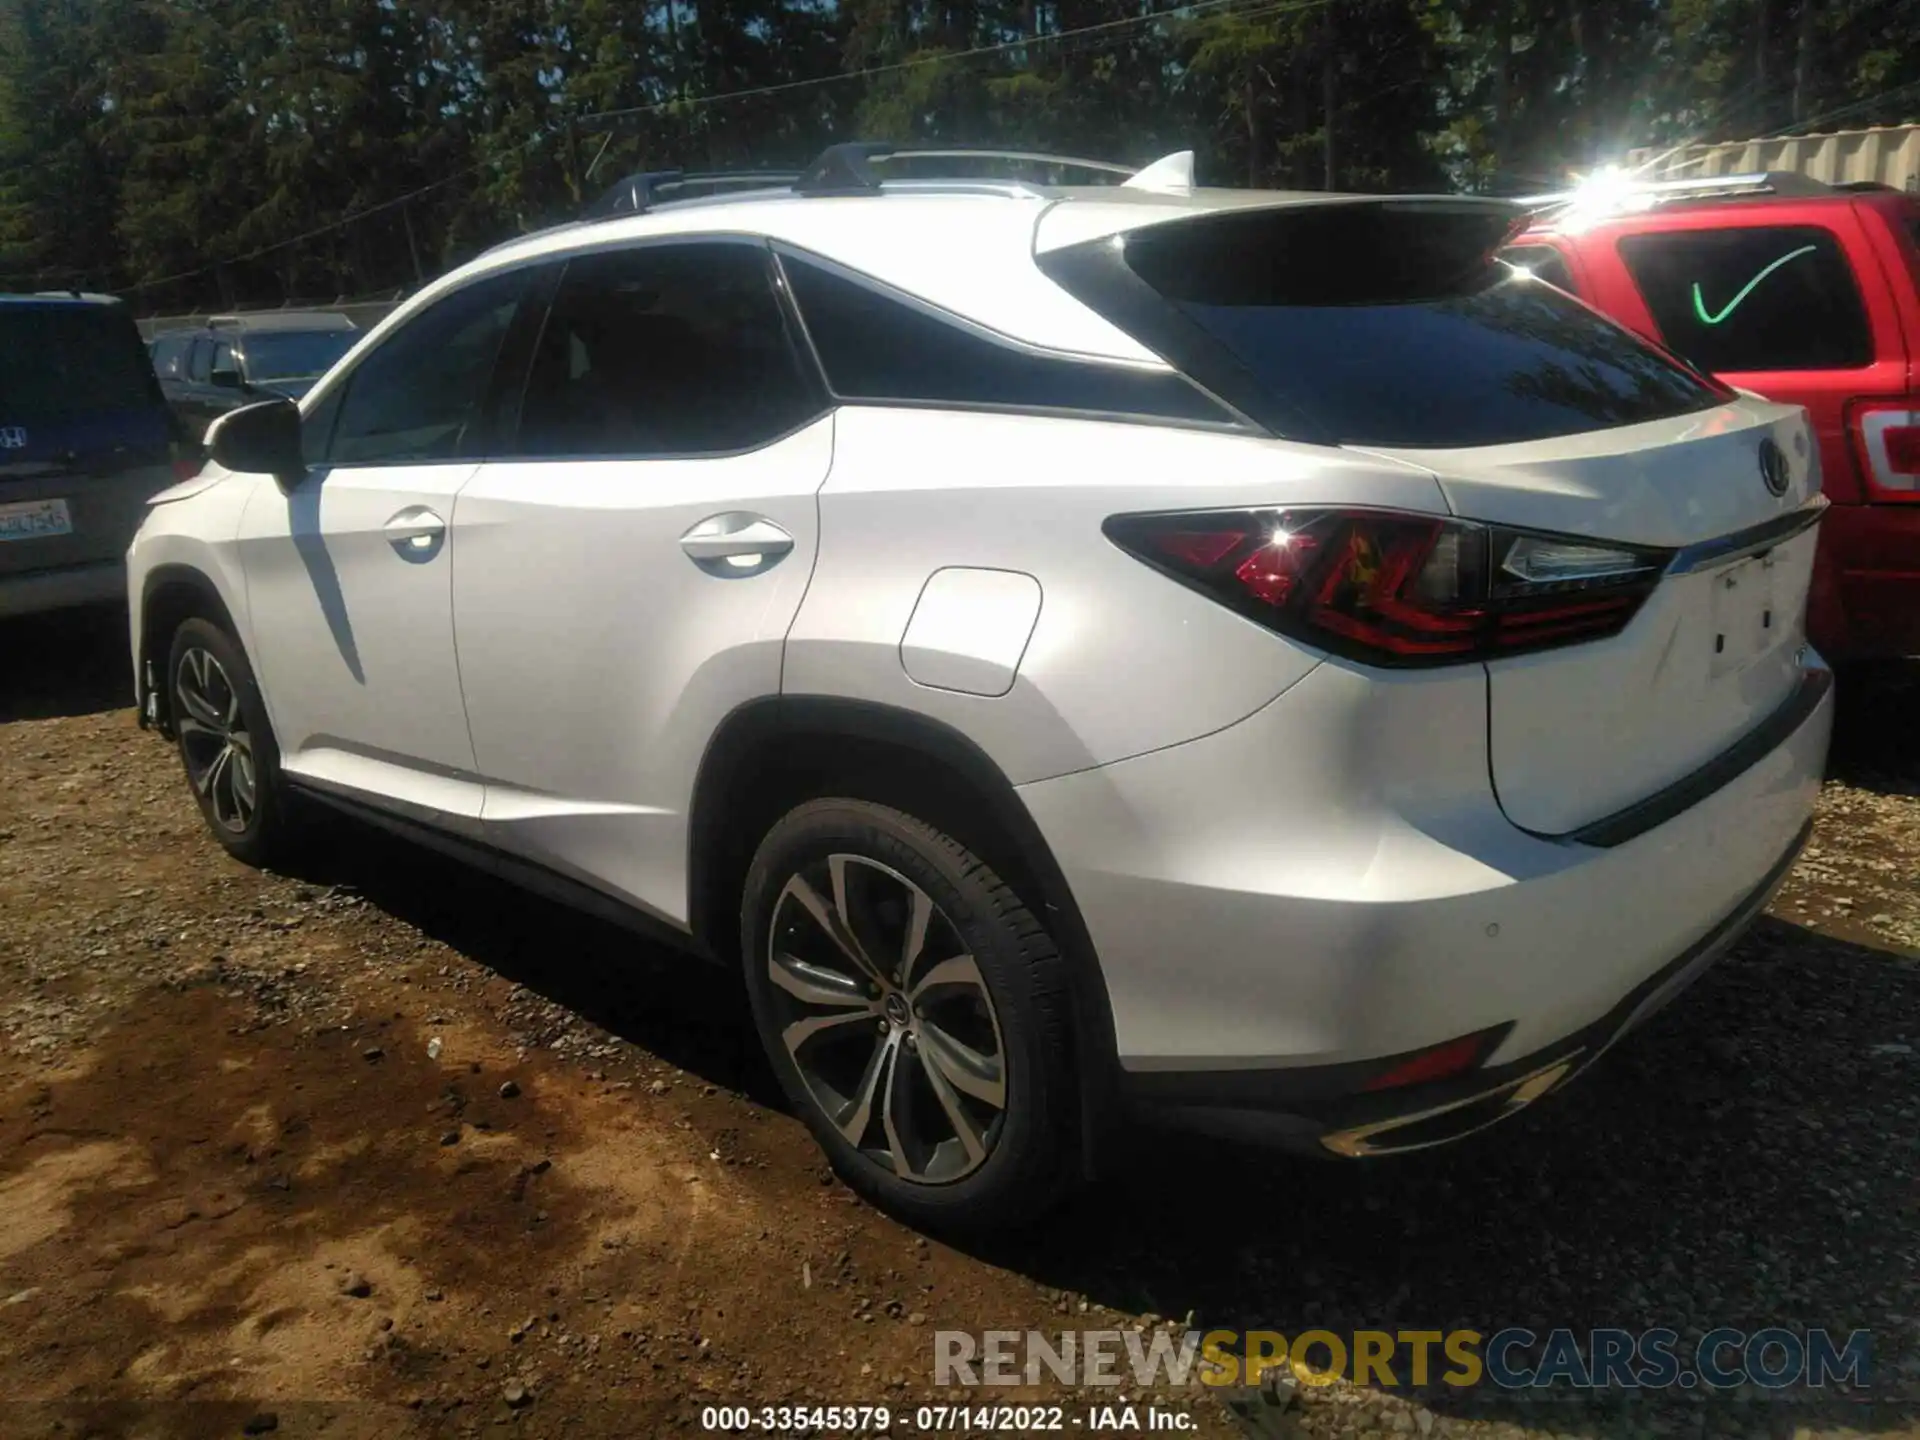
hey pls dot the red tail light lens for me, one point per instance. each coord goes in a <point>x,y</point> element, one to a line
<point>1398,589</point>
<point>1888,437</point>
<point>185,469</point>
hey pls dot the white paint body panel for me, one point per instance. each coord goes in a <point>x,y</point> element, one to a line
<point>970,629</point>
<point>354,638</point>
<point>598,659</point>
<point>913,491</point>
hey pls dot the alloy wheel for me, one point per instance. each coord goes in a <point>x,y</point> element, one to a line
<point>886,1016</point>
<point>214,740</point>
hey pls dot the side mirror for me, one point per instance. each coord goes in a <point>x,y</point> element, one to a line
<point>262,439</point>
<point>226,379</point>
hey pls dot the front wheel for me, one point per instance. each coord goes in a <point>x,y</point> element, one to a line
<point>226,744</point>
<point>915,1012</point>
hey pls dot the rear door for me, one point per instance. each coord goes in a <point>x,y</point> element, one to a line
<point>628,566</point>
<point>84,434</point>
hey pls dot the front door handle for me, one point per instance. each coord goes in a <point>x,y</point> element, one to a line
<point>416,532</point>
<point>736,543</point>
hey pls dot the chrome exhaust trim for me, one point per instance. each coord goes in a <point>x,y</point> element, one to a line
<point>1502,1101</point>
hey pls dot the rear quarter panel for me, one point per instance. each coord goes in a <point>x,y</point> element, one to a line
<point>1121,659</point>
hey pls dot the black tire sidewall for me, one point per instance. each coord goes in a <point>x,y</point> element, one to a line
<point>1022,972</point>
<point>264,832</point>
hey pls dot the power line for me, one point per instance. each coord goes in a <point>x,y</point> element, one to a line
<point>700,101</point>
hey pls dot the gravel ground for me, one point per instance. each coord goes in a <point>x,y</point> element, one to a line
<point>381,1148</point>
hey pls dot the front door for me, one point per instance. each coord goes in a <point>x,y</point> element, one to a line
<point>349,576</point>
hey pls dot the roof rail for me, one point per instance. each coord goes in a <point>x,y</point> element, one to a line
<point>847,168</point>
<point>1626,193</point>
<point>638,193</point>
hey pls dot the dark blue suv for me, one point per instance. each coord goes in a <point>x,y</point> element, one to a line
<point>85,440</point>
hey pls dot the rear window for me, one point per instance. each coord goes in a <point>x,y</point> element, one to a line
<point>295,354</point>
<point>61,362</point>
<point>1753,299</point>
<point>1380,324</point>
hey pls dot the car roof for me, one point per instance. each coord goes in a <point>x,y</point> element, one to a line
<point>282,320</point>
<point>60,297</point>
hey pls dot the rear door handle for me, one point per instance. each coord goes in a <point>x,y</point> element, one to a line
<point>415,532</point>
<point>736,543</point>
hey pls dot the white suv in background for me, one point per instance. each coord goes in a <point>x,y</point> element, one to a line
<point>1089,653</point>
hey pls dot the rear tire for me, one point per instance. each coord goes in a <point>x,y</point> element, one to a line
<point>916,1014</point>
<point>226,745</point>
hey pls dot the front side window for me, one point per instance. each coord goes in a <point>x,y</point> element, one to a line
<point>1756,298</point>
<point>663,350</point>
<point>420,396</point>
<point>222,358</point>
<point>876,347</point>
<point>197,360</point>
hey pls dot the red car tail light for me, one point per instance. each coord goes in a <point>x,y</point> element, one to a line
<point>1398,589</point>
<point>1887,435</point>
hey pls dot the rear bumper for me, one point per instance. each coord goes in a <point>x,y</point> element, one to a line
<point>99,582</point>
<point>1865,603</point>
<point>1283,910</point>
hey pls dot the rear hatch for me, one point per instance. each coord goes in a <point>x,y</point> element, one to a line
<point>85,436</point>
<point>1386,326</point>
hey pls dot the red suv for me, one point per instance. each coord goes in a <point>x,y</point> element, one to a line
<point>1812,298</point>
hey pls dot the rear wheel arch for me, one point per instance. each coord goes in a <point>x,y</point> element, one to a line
<point>773,754</point>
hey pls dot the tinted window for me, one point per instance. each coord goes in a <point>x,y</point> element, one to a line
<point>222,357</point>
<point>1772,298</point>
<point>663,350</point>
<point>295,354</point>
<point>875,346</point>
<point>63,361</point>
<point>1543,262</point>
<point>420,395</point>
<point>197,359</point>
<point>170,356</point>
<point>1382,324</point>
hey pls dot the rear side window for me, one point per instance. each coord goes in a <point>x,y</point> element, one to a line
<point>664,350</point>
<point>170,356</point>
<point>1757,298</point>
<point>419,397</point>
<point>61,362</point>
<point>876,346</point>
<point>1377,324</point>
<point>1543,262</point>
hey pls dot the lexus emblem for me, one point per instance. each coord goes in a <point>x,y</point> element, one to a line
<point>13,437</point>
<point>1773,468</point>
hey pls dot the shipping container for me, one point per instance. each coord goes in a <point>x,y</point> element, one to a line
<point>1885,155</point>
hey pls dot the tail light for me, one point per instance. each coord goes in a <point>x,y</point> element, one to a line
<point>184,469</point>
<point>1398,589</point>
<point>1887,434</point>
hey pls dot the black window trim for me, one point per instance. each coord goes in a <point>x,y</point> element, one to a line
<point>1239,422</point>
<point>806,364</point>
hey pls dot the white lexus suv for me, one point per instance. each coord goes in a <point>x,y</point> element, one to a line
<point>1090,654</point>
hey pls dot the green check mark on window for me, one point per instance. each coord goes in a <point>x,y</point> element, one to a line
<point>1700,305</point>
